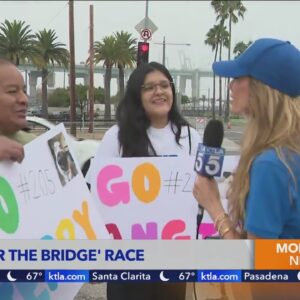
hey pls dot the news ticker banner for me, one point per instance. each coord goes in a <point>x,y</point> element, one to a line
<point>45,197</point>
<point>155,254</point>
<point>151,198</point>
<point>98,276</point>
<point>126,254</point>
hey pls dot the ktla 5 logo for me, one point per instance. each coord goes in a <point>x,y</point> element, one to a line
<point>209,160</point>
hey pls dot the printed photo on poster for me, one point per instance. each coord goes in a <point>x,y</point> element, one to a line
<point>63,159</point>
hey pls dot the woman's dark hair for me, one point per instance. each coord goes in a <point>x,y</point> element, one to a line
<point>132,119</point>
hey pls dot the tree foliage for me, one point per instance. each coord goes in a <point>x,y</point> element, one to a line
<point>240,47</point>
<point>16,41</point>
<point>105,50</point>
<point>185,99</point>
<point>118,50</point>
<point>230,11</point>
<point>48,51</point>
<point>125,55</point>
<point>60,97</point>
<point>217,37</point>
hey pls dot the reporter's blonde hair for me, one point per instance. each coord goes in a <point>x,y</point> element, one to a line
<point>273,122</point>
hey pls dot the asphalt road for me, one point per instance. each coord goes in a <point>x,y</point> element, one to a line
<point>234,134</point>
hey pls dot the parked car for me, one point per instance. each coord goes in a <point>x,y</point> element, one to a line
<point>84,149</point>
<point>34,111</point>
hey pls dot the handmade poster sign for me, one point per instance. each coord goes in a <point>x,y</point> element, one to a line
<point>151,198</point>
<point>46,197</point>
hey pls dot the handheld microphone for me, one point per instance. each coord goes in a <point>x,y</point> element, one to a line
<point>209,157</point>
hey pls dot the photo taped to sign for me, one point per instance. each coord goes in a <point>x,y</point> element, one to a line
<point>63,159</point>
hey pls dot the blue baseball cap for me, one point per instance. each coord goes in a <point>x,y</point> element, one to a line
<point>274,62</point>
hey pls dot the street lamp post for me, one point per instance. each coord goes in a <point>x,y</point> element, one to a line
<point>164,52</point>
<point>164,48</point>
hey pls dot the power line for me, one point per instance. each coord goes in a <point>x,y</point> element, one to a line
<point>60,11</point>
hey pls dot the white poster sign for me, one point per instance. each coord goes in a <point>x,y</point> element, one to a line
<point>46,197</point>
<point>151,198</point>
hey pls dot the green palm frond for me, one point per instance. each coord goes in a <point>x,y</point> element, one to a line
<point>16,41</point>
<point>126,49</point>
<point>229,9</point>
<point>216,35</point>
<point>105,51</point>
<point>49,51</point>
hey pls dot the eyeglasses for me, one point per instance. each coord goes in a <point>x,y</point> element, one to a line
<point>151,87</point>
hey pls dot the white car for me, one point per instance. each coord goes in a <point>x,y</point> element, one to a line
<point>84,149</point>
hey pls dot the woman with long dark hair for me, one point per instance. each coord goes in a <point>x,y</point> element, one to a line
<point>147,113</point>
<point>149,124</point>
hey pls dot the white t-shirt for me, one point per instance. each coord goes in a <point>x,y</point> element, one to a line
<point>162,139</point>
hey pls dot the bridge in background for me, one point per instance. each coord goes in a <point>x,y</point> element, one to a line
<point>82,71</point>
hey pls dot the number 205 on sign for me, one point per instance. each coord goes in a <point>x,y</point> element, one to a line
<point>209,160</point>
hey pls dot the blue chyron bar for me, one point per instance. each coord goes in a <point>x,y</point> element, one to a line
<point>271,276</point>
<point>67,276</point>
<point>149,276</point>
<point>22,276</point>
<point>143,275</point>
<point>98,275</point>
<point>219,276</point>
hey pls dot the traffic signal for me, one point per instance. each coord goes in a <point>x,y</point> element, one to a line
<point>143,52</point>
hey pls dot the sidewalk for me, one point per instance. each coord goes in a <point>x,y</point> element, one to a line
<point>96,135</point>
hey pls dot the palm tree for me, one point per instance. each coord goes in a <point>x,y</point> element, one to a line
<point>106,51</point>
<point>240,47</point>
<point>231,11</point>
<point>48,52</point>
<point>16,41</point>
<point>223,41</point>
<point>212,40</point>
<point>215,37</point>
<point>125,55</point>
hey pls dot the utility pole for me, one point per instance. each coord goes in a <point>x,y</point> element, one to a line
<point>91,59</point>
<point>72,69</point>
<point>164,48</point>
